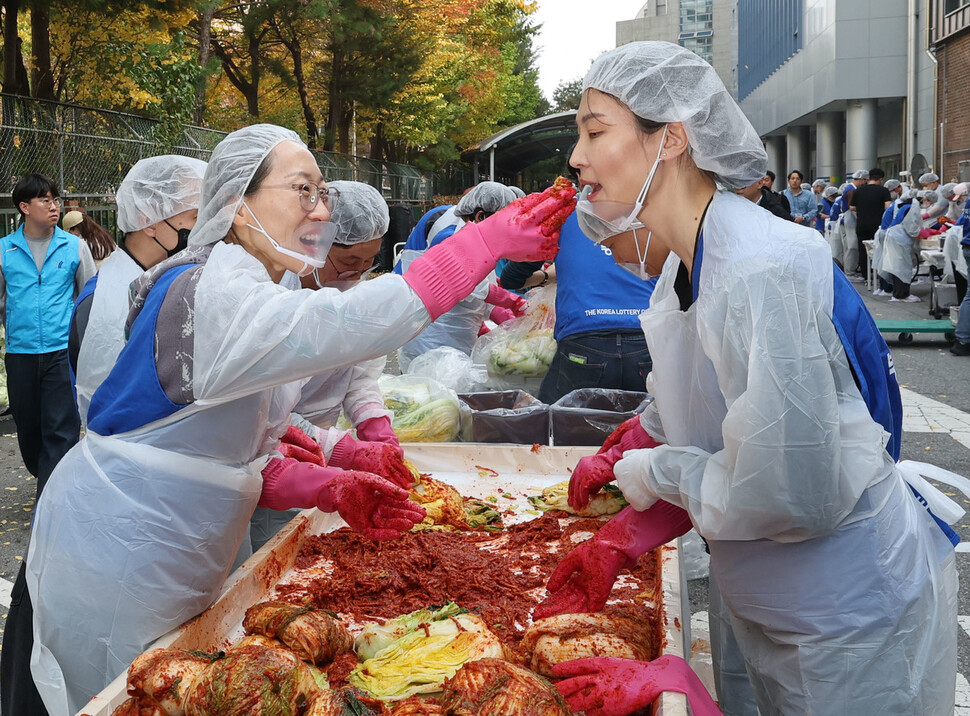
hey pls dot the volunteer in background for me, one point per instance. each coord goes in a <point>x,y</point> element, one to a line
<point>158,202</point>
<point>460,327</point>
<point>173,463</point>
<point>361,219</point>
<point>95,236</point>
<point>819,549</point>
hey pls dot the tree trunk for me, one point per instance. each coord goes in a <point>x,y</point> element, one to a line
<point>335,101</point>
<point>377,143</point>
<point>343,129</point>
<point>205,49</point>
<point>252,92</point>
<point>11,49</point>
<point>301,87</point>
<point>42,74</point>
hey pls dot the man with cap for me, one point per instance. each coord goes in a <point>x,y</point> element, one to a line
<point>869,202</point>
<point>158,202</point>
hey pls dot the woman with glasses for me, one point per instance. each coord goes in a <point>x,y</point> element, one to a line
<point>145,516</point>
<point>361,218</point>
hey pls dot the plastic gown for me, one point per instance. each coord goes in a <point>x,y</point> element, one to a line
<point>104,336</point>
<point>840,588</point>
<point>136,532</point>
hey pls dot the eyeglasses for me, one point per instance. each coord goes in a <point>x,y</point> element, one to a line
<point>47,201</point>
<point>310,194</point>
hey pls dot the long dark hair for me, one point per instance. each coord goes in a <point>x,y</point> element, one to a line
<point>97,237</point>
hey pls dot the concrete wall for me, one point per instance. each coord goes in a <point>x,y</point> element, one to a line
<point>650,26</point>
<point>845,50</point>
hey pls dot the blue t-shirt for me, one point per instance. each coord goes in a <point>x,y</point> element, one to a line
<point>592,292</point>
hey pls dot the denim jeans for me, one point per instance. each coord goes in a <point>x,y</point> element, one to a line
<point>963,325</point>
<point>597,359</point>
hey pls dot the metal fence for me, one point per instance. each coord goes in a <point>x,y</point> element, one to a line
<point>88,152</point>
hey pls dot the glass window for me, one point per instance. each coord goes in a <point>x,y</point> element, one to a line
<point>661,7</point>
<point>954,5</point>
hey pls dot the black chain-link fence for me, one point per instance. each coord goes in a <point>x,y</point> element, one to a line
<point>87,152</point>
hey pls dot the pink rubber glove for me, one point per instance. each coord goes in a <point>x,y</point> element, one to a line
<point>378,430</point>
<point>927,233</point>
<point>503,298</point>
<point>368,503</point>
<point>500,315</point>
<point>379,458</point>
<point>595,471</point>
<point>583,580</point>
<point>298,445</point>
<point>525,230</point>
<point>608,686</point>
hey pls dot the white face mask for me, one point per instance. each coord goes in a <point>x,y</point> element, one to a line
<point>315,236</point>
<point>602,219</point>
<point>639,269</point>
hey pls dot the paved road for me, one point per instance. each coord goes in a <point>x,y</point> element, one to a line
<point>936,392</point>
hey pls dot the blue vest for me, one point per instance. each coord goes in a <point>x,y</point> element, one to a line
<point>887,216</point>
<point>964,222</point>
<point>39,305</point>
<point>872,367</point>
<point>417,239</point>
<point>132,395</point>
<point>589,284</point>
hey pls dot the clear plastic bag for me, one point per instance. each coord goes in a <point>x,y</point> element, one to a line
<point>587,416</point>
<point>693,554</point>
<point>523,346</point>
<point>425,411</point>
<point>450,367</point>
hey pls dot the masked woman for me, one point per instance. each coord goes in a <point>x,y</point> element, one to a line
<point>776,421</point>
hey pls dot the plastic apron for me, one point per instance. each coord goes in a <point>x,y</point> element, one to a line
<point>860,621</point>
<point>834,237</point>
<point>457,328</point>
<point>897,257</point>
<point>850,242</point>
<point>104,336</point>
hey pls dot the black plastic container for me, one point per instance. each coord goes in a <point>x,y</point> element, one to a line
<point>508,416</point>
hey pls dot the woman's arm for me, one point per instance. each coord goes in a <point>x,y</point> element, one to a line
<point>779,475</point>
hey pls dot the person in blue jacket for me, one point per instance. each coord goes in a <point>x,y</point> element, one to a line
<point>42,270</point>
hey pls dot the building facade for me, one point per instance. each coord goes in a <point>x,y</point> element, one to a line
<point>706,27</point>
<point>950,39</point>
<point>839,86</point>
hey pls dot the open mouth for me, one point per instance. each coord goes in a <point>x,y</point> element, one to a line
<point>594,186</point>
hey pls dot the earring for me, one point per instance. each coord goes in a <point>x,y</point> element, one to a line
<point>664,154</point>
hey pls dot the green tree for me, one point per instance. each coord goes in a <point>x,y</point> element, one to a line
<point>567,95</point>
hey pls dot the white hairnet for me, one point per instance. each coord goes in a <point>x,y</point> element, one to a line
<point>663,82</point>
<point>819,182</point>
<point>830,191</point>
<point>158,188</point>
<point>893,184</point>
<point>488,196</point>
<point>360,214</point>
<point>843,188</point>
<point>806,186</point>
<point>231,167</point>
<point>947,190</point>
<point>961,189</point>
<point>930,196</point>
<point>909,193</point>
<point>929,178</point>
<point>861,174</point>
<point>519,193</point>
